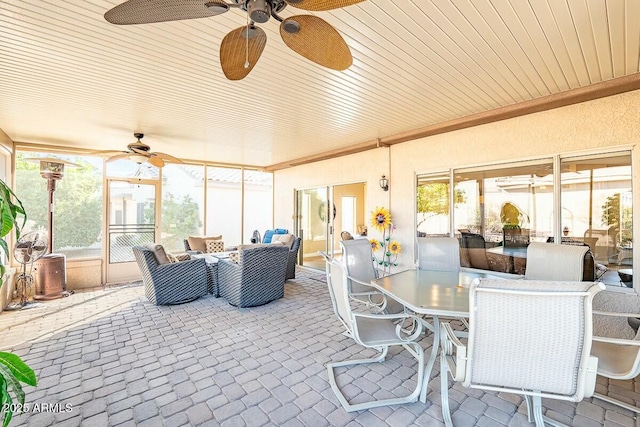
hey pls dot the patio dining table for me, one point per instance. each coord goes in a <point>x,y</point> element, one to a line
<point>431,293</point>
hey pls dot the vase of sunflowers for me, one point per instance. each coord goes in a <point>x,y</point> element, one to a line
<point>385,251</point>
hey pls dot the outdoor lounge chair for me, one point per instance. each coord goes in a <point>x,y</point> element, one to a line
<point>170,282</point>
<point>376,331</point>
<point>256,279</point>
<point>531,338</point>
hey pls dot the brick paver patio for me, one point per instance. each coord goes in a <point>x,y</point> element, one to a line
<point>107,357</point>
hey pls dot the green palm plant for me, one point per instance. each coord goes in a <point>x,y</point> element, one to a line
<point>13,371</point>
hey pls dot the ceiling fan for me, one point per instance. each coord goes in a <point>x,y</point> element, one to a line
<point>308,35</point>
<point>140,152</point>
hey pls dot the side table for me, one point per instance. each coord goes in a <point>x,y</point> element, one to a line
<point>212,272</point>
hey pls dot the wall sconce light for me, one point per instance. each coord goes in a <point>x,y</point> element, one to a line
<point>384,183</point>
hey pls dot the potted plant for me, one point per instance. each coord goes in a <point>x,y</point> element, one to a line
<point>13,370</point>
<point>512,219</point>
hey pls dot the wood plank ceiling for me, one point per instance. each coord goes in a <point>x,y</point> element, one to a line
<point>70,78</point>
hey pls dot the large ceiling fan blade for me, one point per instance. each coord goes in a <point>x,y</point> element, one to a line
<point>321,4</point>
<point>149,11</point>
<point>118,157</point>
<point>167,157</point>
<point>238,58</point>
<point>317,40</point>
<point>156,161</point>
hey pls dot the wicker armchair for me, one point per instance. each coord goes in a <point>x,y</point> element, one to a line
<point>257,278</point>
<point>171,283</point>
<point>292,257</point>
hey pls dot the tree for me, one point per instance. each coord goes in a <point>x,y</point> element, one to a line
<point>180,219</point>
<point>77,206</point>
<point>433,200</point>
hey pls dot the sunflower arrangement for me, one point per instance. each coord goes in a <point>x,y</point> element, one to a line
<point>381,221</point>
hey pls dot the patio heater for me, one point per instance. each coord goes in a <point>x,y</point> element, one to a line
<point>50,270</point>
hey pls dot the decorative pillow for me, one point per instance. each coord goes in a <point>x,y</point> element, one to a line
<point>199,243</point>
<point>183,257</point>
<point>234,257</point>
<point>270,233</point>
<point>267,236</point>
<point>286,239</point>
<point>159,252</point>
<point>172,258</point>
<point>214,246</point>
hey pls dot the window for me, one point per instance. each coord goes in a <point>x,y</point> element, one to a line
<point>509,203</point>
<point>597,209</point>
<point>182,213</point>
<point>77,199</point>
<point>258,202</point>
<point>432,205</point>
<point>224,204</point>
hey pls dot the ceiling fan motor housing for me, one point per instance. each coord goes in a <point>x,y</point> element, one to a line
<point>259,10</point>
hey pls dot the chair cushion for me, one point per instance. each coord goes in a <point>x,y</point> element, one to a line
<point>215,246</point>
<point>171,257</point>
<point>199,243</point>
<point>286,239</point>
<point>158,252</point>
<point>234,257</point>
<point>268,235</point>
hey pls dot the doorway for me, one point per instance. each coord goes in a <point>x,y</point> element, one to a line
<point>131,221</point>
<point>322,213</point>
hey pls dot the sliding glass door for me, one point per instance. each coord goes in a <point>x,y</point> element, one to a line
<point>322,214</point>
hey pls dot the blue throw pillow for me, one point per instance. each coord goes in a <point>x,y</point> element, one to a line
<point>267,236</point>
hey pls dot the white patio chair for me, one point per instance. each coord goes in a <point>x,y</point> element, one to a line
<point>438,253</point>
<point>548,261</point>
<point>615,343</point>
<point>376,331</point>
<point>357,260</point>
<point>526,337</point>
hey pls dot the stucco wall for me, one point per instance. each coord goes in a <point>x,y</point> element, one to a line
<point>593,125</point>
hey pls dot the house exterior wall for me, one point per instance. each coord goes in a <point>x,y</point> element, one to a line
<point>590,126</point>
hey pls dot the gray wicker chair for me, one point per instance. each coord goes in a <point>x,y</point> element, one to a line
<point>292,257</point>
<point>258,277</point>
<point>171,283</point>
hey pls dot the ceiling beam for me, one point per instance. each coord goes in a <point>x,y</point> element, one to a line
<point>549,102</point>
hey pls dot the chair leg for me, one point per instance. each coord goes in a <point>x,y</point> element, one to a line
<point>416,351</point>
<point>435,328</point>
<point>534,412</point>
<point>444,391</point>
<point>617,402</point>
<point>537,410</point>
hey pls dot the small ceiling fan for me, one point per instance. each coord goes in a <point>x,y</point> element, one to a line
<point>140,152</point>
<point>308,35</point>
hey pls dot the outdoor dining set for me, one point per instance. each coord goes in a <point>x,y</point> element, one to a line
<point>542,335</point>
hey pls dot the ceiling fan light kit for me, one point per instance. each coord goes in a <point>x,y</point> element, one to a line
<point>307,35</point>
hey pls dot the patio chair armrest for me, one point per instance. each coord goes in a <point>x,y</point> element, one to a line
<point>454,351</point>
<point>361,282</point>
<point>619,341</point>
<point>406,333</point>
<point>615,313</point>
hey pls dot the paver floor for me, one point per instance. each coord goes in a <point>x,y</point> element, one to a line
<point>107,357</point>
